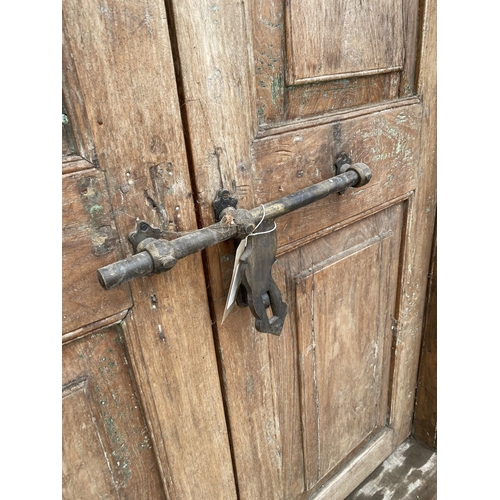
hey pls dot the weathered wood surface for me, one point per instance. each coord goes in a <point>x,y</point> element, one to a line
<point>418,246</point>
<point>106,446</point>
<point>409,473</point>
<point>344,309</point>
<point>68,137</point>
<point>222,102</point>
<point>218,102</point>
<point>333,40</point>
<point>119,76</point>
<point>387,141</point>
<point>356,469</point>
<point>309,100</point>
<point>89,241</point>
<point>297,36</point>
<point>425,419</point>
<point>231,56</point>
<point>301,415</point>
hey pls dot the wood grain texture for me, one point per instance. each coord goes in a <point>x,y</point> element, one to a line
<point>342,39</point>
<point>326,118</point>
<point>75,112</point>
<point>418,245</point>
<point>89,241</point>
<point>353,473</point>
<point>218,102</point>
<point>106,450</point>
<point>412,24</point>
<point>231,56</point>
<point>280,97</point>
<point>106,322</point>
<point>68,137</point>
<point>425,419</point>
<point>118,65</point>
<point>344,322</point>
<point>327,97</point>
<point>268,40</point>
<point>387,141</point>
<point>299,417</point>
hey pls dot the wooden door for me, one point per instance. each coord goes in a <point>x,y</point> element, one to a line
<point>142,411</point>
<point>271,93</point>
<point>267,94</point>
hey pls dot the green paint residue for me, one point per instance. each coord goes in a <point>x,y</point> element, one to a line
<point>401,117</point>
<point>120,454</point>
<point>276,88</point>
<point>112,430</point>
<point>95,208</point>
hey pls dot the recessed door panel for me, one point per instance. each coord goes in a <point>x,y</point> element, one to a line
<point>344,310</point>
<point>331,40</point>
<point>107,449</point>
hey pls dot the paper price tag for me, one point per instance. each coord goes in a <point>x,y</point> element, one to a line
<point>235,279</point>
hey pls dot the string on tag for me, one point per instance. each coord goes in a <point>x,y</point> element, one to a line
<point>253,233</point>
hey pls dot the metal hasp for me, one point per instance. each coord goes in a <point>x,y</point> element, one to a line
<point>157,255</point>
<point>257,288</point>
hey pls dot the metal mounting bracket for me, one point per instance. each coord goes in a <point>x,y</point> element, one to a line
<point>222,201</point>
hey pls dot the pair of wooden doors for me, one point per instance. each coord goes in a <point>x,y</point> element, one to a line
<point>164,105</point>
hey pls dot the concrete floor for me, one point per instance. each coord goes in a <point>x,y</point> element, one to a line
<point>410,473</point>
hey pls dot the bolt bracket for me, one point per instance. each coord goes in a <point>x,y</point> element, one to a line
<point>222,201</point>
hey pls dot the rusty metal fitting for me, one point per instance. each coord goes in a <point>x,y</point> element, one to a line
<point>244,221</point>
<point>363,171</point>
<point>241,218</point>
<point>162,252</point>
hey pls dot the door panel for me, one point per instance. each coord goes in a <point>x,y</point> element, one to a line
<point>344,313</point>
<point>122,107</point>
<point>307,401</point>
<point>270,99</point>
<point>315,56</point>
<point>90,239</point>
<point>107,451</point>
<point>333,40</point>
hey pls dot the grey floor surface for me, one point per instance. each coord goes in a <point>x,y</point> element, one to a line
<point>410,473</point>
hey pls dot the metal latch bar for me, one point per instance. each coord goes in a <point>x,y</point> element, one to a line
<point>159,255</point>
